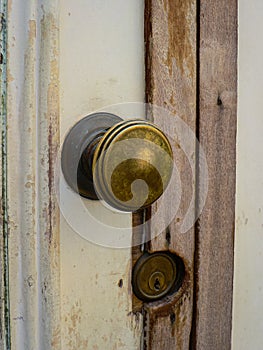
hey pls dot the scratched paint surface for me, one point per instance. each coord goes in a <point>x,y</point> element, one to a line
<point>33,140</point>
<point>65,59</point>
<point>101,63</point>
<point>4,264</point>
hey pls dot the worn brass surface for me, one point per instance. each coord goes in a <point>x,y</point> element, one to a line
<point>132,165</point>
<point>128,164</point>
<point>154,276</point>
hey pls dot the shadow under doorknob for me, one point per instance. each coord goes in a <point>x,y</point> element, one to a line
<point>127,163</point>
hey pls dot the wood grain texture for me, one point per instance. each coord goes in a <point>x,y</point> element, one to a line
<point>170,35</point>
<point>189,61</point>
<point>217,134</point>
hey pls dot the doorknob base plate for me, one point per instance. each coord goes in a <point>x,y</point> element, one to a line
<point>79,141</point>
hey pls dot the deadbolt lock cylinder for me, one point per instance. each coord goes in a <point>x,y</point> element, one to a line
<point>156,275</point>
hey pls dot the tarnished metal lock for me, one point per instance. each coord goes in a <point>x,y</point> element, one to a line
<point>156,275</point>
<point>128,163</point>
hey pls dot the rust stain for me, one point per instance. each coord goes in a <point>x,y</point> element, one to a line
<point>9,6</point>
<point>49,143</point>
<point>74,338</point>
<point>32,31</point>
<point>49,33</point>
<point>170,60</point>
<point>55,342</point>
<point>174,307</point>
<point>179,31</point>
<point>10,77</point>
<point>53,138</point>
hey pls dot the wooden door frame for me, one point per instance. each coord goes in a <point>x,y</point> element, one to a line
<point>191,70</point>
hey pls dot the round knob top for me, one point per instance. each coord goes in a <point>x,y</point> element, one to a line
<point>132,165</point>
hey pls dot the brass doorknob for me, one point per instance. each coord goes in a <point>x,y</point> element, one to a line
<point>128,163</point>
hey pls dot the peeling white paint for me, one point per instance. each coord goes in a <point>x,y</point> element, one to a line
<point>101,63</point>
<point>33,119</point>
<point>65,291</point>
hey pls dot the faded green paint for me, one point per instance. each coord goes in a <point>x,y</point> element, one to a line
<point>5,340</point>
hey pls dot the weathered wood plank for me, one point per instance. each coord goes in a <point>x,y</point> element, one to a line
<point>170,35</point>
<point>217,134</point>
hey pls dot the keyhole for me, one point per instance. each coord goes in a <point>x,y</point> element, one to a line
<point>157,284</point>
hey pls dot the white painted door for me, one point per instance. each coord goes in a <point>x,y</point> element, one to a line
<point>65,60</point>
<point>101,64</point>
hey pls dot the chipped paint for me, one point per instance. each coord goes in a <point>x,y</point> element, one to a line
<point>40,304</point>
<point>75,339</point>
<point>48,147</point>
<point>33,140</point>
<point>5,339</point>
<point>91,273</point>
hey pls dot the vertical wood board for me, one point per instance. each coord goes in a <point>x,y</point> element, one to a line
<point>217,135</point>
<point>170,35</point>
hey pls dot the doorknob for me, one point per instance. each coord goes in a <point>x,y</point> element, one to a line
<point>128,163</point>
